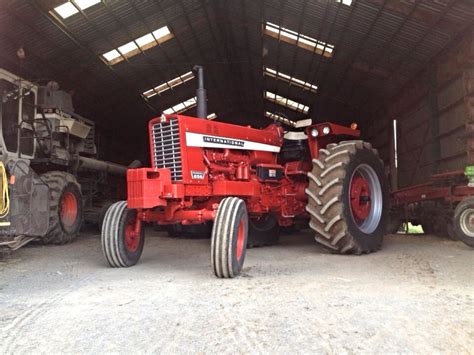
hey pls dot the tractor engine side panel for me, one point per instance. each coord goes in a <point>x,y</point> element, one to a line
<point>198,162</point>
<point>185,144</point>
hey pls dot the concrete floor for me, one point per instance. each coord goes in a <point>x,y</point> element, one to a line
<point>416,295</point>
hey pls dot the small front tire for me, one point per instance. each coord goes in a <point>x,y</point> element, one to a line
<point>229,238</point>
<point>123,236</point>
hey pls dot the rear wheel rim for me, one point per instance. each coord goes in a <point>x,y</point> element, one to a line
<point>240,240</point>
<point>466,222</point>
<point>69,209</point>
<point>132,237</point>
<point>366,201</point>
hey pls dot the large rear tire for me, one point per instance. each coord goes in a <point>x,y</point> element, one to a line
<point>229,238</point>
<point>348,198</point>
<point>121,243</point>
<point>65,206</point>
<point>464,221</point>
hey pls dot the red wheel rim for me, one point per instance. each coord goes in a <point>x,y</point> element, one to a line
<point>69,209</point>
<point>240,240</point>
<point>132,236</point>
<point>360,198</point>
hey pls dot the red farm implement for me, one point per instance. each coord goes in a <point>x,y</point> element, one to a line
<point>442,206</point>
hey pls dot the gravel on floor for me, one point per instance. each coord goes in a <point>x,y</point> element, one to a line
<point>415,295</point>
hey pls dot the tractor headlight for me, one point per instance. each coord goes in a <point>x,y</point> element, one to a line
<point>326,130</point>
<point>314,133</point>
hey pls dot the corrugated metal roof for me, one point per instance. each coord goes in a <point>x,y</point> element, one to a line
<point>379,46</point>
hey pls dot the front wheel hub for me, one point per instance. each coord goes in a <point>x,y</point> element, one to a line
<point>360,197</point>
<point>240,240</point>
<point>132,234</point>
<point>366,198</point>
<point>69,209</point>
<point>467,222</point>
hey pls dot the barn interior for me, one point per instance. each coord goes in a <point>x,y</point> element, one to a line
<point>367,61</point>
<point>401,71</point>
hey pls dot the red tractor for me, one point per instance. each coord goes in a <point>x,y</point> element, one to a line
<point>250,182</point>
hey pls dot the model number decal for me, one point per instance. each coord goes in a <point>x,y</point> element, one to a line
<point>199,175</point>
<point>225,141</point>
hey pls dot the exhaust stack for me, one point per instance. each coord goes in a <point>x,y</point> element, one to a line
<point>201,94</point>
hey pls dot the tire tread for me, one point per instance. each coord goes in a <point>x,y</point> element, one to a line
<point>326,183</point>
<point>57,181</point>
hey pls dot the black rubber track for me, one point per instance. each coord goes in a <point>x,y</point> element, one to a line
<point>58,183</point>
<point>113,237</point>
<point>230,213</point>
<point>328,198</point>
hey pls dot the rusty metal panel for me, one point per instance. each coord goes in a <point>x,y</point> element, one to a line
<point>452,119</point>
<point>469,93</point>
<point>469,110</point>
<point>380,141</point>
<point>470,143</point>
<point>452,93</point>
<point>453,63</point>
<point>414,146</point>
<point>448,106</point>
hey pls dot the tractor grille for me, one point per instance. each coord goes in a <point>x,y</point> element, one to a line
<point>167,148</point>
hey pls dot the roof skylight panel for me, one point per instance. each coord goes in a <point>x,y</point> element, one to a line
<point>144,40</point>
<point>182,106</point>
<point>72,7</point>
<point>279,118</point>
<point>298,39</point>
<point>289,79</point>
<point>169,84</point>
<point>345,2</point>
<point>138,45</point>
<point>127,48</point>
<point>66,10</point>
<point>84,4</point>
<point>110,56</point>
<point>283,101</point>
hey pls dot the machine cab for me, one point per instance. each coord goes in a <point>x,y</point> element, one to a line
<point>38,122</point>
<point>17,108</point>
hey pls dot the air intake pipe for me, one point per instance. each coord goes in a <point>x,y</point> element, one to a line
<point>201,95</point>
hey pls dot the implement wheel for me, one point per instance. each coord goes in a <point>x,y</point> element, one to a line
<point>229,238</point>
<point>65,206</point>
<point>464,221</point>
<point>123,236</point>
<point>347,198</point>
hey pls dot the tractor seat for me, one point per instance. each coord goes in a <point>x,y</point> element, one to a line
<point>295,147</point>
<point>295,136</point>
